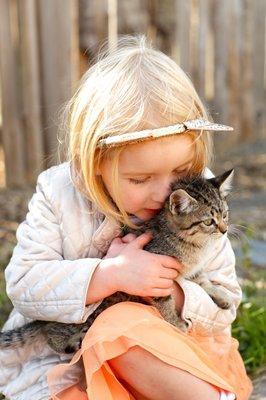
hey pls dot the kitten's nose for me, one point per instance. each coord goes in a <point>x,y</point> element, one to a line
<point>222,227</point>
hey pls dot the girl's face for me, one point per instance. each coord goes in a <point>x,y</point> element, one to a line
<point>145,172</point>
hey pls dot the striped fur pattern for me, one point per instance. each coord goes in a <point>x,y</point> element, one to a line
<point>194,217</point>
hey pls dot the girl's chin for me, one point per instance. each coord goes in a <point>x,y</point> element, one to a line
<point>146,214</point>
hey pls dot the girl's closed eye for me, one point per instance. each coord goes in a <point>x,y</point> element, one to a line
<point>180,173</point>
<point>137,181</point>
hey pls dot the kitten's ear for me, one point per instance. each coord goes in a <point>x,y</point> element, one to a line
<point>224,182</point>
<point>181,201</point>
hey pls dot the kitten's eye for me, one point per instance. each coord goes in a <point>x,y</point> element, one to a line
<point>225,213</point>
<point>208,222</point>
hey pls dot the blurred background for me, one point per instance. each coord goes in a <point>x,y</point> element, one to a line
<point>47,45</point>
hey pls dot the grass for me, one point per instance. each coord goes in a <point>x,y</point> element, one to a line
<point>249,328</point>
<point>250,325</point>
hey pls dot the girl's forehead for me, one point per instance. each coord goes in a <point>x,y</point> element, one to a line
<point>157,154</point>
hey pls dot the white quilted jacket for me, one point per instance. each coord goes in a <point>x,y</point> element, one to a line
<point>60,243</point>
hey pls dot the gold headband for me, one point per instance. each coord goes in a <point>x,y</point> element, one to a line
<point>139,136</point>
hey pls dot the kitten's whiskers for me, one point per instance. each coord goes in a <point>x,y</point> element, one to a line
<point>238,234</point>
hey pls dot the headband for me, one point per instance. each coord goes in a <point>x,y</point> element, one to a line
<point>139,136</point>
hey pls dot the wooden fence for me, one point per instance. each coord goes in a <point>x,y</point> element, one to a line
<point>45,45</point>
<point>39,66</point>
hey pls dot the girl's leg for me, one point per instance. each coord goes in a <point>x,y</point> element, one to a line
<point>155,380</point>
<point>133,391</point>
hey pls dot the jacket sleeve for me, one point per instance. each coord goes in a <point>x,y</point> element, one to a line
<point>40,283</point>
<point>199,309</point>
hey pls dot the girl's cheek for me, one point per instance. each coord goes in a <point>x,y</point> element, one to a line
<point>135,197</point>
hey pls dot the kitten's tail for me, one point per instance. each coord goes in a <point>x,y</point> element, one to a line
<point>19,336</point>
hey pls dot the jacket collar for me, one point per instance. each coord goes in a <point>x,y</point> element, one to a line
<point>105,233</point>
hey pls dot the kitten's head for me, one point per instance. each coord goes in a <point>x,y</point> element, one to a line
<point>198,207</point>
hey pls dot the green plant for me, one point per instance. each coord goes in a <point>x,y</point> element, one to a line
<point>249,329</point>
<point>5,303</point>
<point>250,325</point>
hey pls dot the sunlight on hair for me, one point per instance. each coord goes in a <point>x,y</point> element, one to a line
<point>132,88</point>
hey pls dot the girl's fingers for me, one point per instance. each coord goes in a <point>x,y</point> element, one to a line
<point>169,273</point>
<point>170,262</point>
<point>165,283</point>
<point>116,241</point>
<point>128,238</point>
<point>142,240</point>
<point>157,292</point>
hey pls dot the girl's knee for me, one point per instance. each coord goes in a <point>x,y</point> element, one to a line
<point>128,359</point>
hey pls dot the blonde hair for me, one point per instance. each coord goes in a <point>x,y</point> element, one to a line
<point>124,91</point>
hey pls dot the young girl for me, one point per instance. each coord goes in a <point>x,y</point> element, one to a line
<point>71,254</point>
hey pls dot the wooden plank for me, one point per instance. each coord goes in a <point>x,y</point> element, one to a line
<point>209,71</point>
<point>101,22</point>
<point>194,43</point>
<point>220,27</point>
<point>13,140</point>
<point>93,30</point>
<point>59,54</point>
<point>203,32</point>
<point>247,78</point>
<point>112,24</point>
<point>259,68</point>
<point>30,82</point>
<point>221,60</point>
<point>234,72</point>
<point>183,33</point>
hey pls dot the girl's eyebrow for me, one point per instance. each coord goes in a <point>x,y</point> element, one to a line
<point>151,173</point>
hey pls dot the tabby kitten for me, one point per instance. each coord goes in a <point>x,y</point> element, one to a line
<point>193,219</point>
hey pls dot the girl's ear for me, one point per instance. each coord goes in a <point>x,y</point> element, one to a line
<point>98,164</point>
<point>98,171</point>
<point>223,182</point>
<point>181,202</point>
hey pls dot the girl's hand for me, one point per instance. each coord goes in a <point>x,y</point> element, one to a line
<point>103,281</point>
<point>118,244</point>
<point>139,272</point>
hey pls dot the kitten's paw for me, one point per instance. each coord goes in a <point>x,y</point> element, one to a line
<point>225,305</point>
<point>74,343</point>
<point>72,348</point>
<point>182,325</point>
<point>222,302</point>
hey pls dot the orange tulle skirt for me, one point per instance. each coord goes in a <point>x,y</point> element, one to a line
<point>88,376</point>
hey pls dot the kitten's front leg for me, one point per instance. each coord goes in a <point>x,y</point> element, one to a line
<point>166,307</point>
<point>216,292</point>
